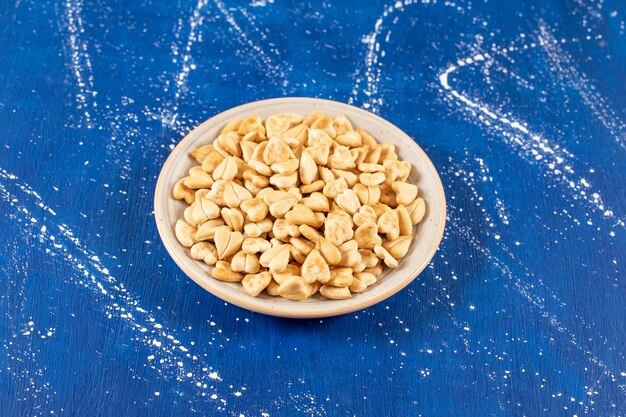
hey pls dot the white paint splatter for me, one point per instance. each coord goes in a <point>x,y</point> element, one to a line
<point>531,288</point>
<point>168,114</point>
<point>186,59</point>
<point>556,161</point>
<point>25,188</point>
<point>80,61</point>
<point>368,82</point>
<point>265,62</point>
<point>261,3</point>
<point>566,72</point>
<point>116,300</point>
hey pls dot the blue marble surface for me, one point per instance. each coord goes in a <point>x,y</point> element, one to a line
<point>521,106</point>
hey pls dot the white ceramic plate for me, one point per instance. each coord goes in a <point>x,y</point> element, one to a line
<point>426,238</point>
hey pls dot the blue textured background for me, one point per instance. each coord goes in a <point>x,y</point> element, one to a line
<point>521,106</point>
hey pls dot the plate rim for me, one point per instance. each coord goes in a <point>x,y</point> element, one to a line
<point>280,311</point>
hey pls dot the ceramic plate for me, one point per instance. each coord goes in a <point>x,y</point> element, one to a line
<point>427,234</point>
